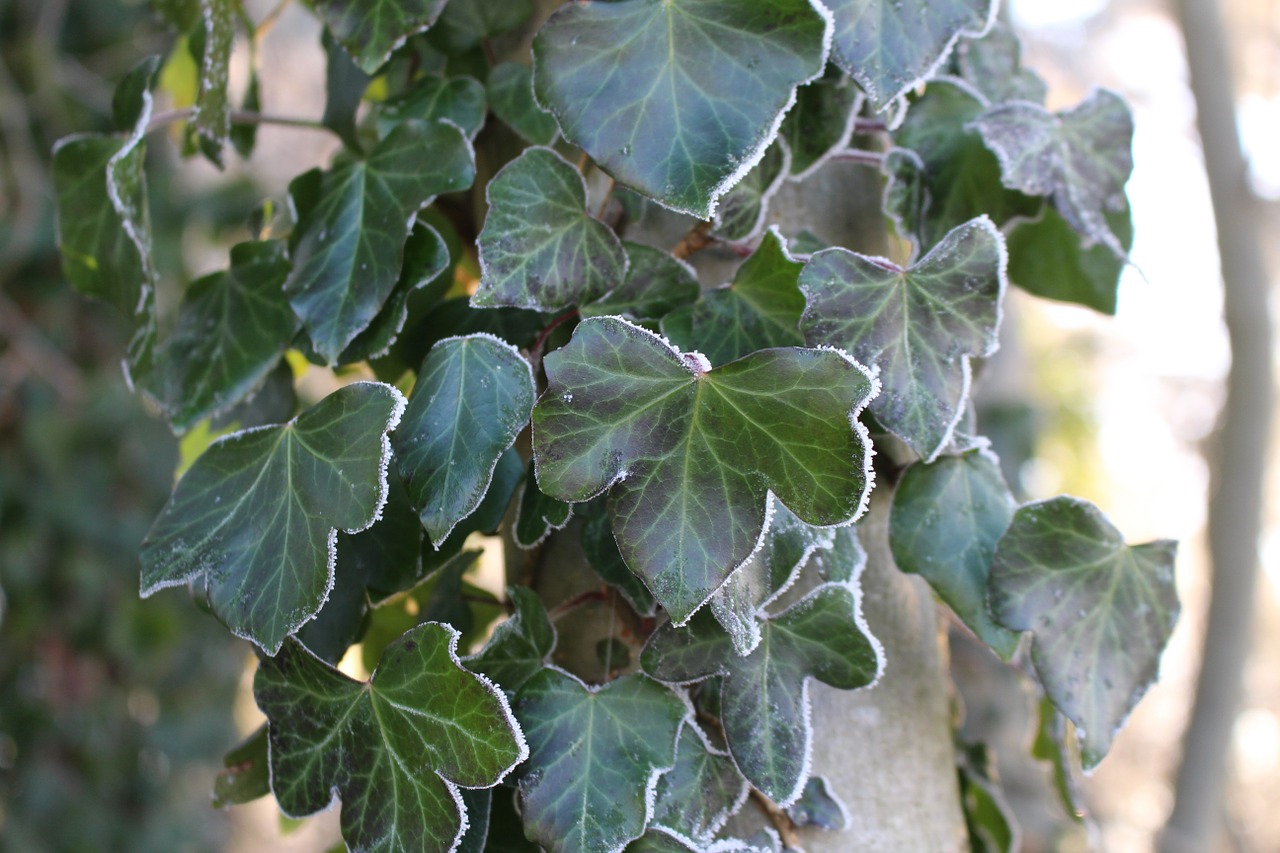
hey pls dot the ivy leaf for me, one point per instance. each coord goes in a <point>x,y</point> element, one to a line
<point>387,556</point>
<point>466,23</point>
<point>701,792</point>
<point>690,455</point>
<point>395,749</point>
<point>350,240</point>
<point>1080,158</point>
<point>344,89</point>
<point>655,285</point>
<point>131,102</point>
<point>510,90</point>
<point>459,99</point>
<point>987,816</point>
<point>244,776</point>
<point>819,807</point>
<point>601,551</point>
<point>821,122</point>
<point>1101,611</point>
<point>539,247</point>
<point>920,325</point>
<point>594,755</point>
<point>538,515</point>
<point>677,98</point>
<point>232,329</point>
<point>947,517</point>
<point>993,65</point>
<point>890,48</point>
<point>256,516</point>
<point>212,116</point>
<point>371,30</point>
<point>743,209</point>
<point>472,398</point>
<point>760,309</point>
<point>519,647</point>
<point>1049,258</point>
<point>764,697</point>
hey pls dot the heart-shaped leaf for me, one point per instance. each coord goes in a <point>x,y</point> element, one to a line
<point>539,247</point>
<point>349,245</point>
<point>594,755</point>
<point>519,647</point>
<point>1100,611</point>
<point>257,515</point>
<point>656,284</point>
<point>701,792</point>
<point>677,98</point>
<point>993,65</point>
<point>919,326</point>
<point>764,697</point>
<point>690,455</point>
<point>395,749</point>
<point>472,398</point>
<point>371,30</point>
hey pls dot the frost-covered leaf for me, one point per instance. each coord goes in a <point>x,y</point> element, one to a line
<point>656,284</point>
<point>819,807</point>
<point>892,47</point>
<point>821,121</point>
<point>510,90</point>
<point>764,702</point>
<point>395,749</point>
<point>947,517</point>
<point>538,515</point>
<point>1049,258</point>
<point>1080,158</point>
<point>131,100</point>
<point>212,116</point>
<point>677,98</point>
<point>459,99</point>
<point>539,247</point>
<point>700,793</point>
<point>690,455</point>
<point>760,309</point>
<point>257,515</point>
<point>601,551</point>
<point>371,29</point>
<point>466,23</point>
<point>244,776</point>
<point>993,65</point>
<point>472,398</point>
<point>232,328</point>
<point>743,209</point>
<point>519,647</point>
<point>1100,611</point>
<point>594,755</point>
<point>919,326</point>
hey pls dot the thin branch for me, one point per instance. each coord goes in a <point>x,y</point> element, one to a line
<point>535,354</point>
<point>583,162</point>
<point>698,238</point>
<point>869,125</point>
<point>569,605</point>
<point>604,202</point>
<point>857,155</point>
<point>780,819</point>
<point>238,117</point>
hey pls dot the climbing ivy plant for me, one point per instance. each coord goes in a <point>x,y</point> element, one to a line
<point>518,350</point>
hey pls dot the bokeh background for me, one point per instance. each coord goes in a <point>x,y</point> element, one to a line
<point>114,712</point>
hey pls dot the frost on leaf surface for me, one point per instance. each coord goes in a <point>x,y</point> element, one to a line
<point>539,247</point>
<point>764,702</point>
<point>655,285</point>
<point>677,98</point>
<point>819,807</point>
<point>947,517</point>
<point>690,456</point>
<point>594,755</point>
<point>538,515</point>
<point>993,65</point>
<point>257,515</point>
<point>395,749</point>
<point>354,221</point>
<point>919,326</point>
<point>1080,158</point>
<point>821,122</point>
<point>459,99</point>
<point>891,47</point>
<point>472,397</point>
<point>700,793</point>
<point>743,209</point>
<point>212,117</point>
<point>1100,611</point>
<point>371,29</point>
<point>518,649</point>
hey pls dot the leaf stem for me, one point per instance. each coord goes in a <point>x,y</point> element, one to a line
<point>582,163</point>
<point>698,238</point>
<point>780,819</point>
<point>237,117</point>
<point>857,155</point>
<point>869,125</point>
<point>535,354</point>
<point>604,202</point>
<point>571,604</point>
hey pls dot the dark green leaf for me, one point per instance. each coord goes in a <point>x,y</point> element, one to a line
<point>602,553</point>
<point>212,116</point>
<point>511,96</point>
<point>350,243</point>
<point>506,831</point>
<point>987,816</point>
<point>656,284</point>
<point>818,807</point>
<point>257,515</point>
<point>244,776</point>
<point>519,647</point>
<point>1101,611</point>
<point>180,14</point>
<point>507,477</point>
<point>704,789</point>
<point>244,136</point>
<point>844,561</point>
<point>539,247</point>
<point>760,309</point>
<point>1050,745</point>
<point>460,100</point>
<point>344,87</point>
<point>466,23</point>
<point>592,754</point>
<point>371,29</point>
<point>743,209</point>
<point>341,619</point>
<point>919,326</point>
<point>1049,258</point>
<point>274,403</point>
<point>394,749</point>
<point>821,122</point>
<point>471,400</point>
<point>993,65</point>
<point>764,700</point>
<point>677,98</point>
<point>476,835</point>
<point>890,48</point>
<point>455,316</point>
<point>538,515</point>
<point>947,517</point>
<point>131,102</point>
<point>689,455</point>
<point>1080,158</point>
<point>388,555</point>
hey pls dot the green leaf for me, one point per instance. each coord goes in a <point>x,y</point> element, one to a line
<point>519,647</point>
<point>257,515</point>
<point>655,285</point>
<point>821,122</point>
<point>131,102</point>
<point>743,209</point>
<point>466,23</point>
<point>371,30</point>
<point>843,561</point>
<point>1080,158</point>
<point>593,754</point>
<point>1101,611</point>
<point>819,807</point>
<point>510,90</point>
<point>690,455</point>
<point>538,515</point>
<point>245,136</point>
<point>395,749</point>
<point>460,100</point>
<point>701,792</point>
<point>947,517</point>
<point>602,553</point>
<point>987,815</point>
<point>387,556</point>
<point>350,241</point>
<point>1049,258</point>
<point>472,398</point>
<point>231,331</point>
<point>212,116</point>
<point>677,98</point>
<point>764,697</point>
<point>890,48</point>
<point>993,65</point>
<point>539,247</point>
<point>344,88</point>
<point>919,326</point>
<point>760,309</point>
<point>244,776</point>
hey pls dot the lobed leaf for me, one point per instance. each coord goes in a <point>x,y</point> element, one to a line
<point>520,646</point>
<point>655,285</point>
<point>743,209</point>
<point>697,796</point>
<point>466,23</point>
<point>992,64</point>
<point>1049,258</point>
<point>371,30</point>
<point>459,99</point>
<point>537,515</point>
